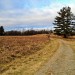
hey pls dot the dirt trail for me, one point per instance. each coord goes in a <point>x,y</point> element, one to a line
<point>62,63</point>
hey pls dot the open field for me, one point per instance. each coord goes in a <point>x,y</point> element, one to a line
<point>24,55</point>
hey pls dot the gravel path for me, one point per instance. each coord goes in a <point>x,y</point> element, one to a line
<point>62,63</point>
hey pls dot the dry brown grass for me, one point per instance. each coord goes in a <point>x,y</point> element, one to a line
<point>23,55</point>
<point>71,42</point>
<point>13,47</point>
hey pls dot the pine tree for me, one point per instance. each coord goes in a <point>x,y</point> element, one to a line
<point>63,22</point>
<point>1,30</point>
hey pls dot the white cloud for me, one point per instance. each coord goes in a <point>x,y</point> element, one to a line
<point>6,4</point>
<point>23,16</point>
<point>34,16</point>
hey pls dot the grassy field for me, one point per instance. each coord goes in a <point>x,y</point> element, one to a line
<point>71,42</point>
<point>24,55</point>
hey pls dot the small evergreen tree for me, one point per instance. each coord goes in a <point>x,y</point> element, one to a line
<point>63,22</point>
<point>1,30</point>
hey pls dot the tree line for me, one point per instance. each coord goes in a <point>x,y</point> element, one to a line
<point>22,33</point>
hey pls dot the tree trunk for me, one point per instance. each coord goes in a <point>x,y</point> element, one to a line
<point>65,36</point>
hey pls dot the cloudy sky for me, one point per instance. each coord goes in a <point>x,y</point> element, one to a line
<point>24,14</point>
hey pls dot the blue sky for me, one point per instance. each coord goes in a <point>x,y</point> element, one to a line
<point>24,14</point>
